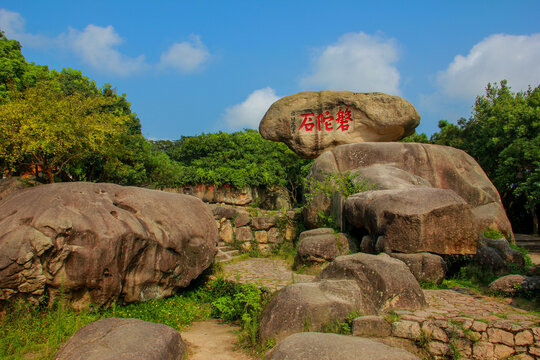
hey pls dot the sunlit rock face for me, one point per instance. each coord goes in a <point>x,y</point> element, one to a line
<point>312,122</point>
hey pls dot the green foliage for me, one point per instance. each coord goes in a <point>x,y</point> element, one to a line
<point>42,127</point>
<point>504,136</point>
<point>493,234</point>
<point>238,159</point>
<point>417,138</point>
<point>341,327</point>
<point>16,74</point>
<point>29,331</point>
<point>343,184</point>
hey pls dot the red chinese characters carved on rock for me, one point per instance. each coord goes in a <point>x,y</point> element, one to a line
<point>325,122</point>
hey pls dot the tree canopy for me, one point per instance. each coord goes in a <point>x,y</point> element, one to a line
<point>503,135</point>
<point>43,127</point>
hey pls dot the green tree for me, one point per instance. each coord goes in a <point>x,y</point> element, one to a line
<point>504,136</point>
<point>238,159</point>
<point>418,138</point>
<point>50,130</point>
<point>16,74</point>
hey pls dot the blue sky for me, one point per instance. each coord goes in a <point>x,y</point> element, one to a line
<point>189,67</point>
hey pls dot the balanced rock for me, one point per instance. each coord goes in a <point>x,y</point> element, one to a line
<point>411,169</point>
<point>100,243</point>
<point>312,122</point>
<point>321,346</point>
<point>123,339</point>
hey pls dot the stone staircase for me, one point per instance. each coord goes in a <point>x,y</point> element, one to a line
<point>226,252</point>
<point>529,242</point>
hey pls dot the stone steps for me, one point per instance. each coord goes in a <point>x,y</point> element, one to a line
<point>529,242</point>
<point>226,252</point>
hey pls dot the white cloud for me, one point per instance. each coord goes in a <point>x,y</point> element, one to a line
<point>357,62</point>
<point>13,25</point>
<point>511,57</point>
<point>96,46</point>
<point>185,56</point>
<point>249,113</point>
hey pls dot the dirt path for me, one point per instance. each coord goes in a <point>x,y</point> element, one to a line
<point>212,340</point>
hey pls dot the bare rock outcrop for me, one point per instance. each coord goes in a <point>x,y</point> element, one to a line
<point>416,176</point>
<point>362,283</point>
<point>123,339</point>
<point>416,219</point>
<point>320,346</point>
<point>312,122</point>
<point>99,243</point>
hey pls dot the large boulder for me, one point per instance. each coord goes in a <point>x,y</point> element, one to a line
<point>123,339</point>
<point>362,283</point>
<point>385,282</point>
<point>425,267</point>
<point>312,122</point>
<point>102,243</point>
<point>416,219</point>
<point>309,306</point>
<point>409,167</point>
<point>321,248</point>
<point>320,346</point>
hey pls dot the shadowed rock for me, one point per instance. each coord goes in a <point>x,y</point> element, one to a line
<point>123,339</point>
<point>100,243</point>
<point>312,122</point>
<point>416,219</point>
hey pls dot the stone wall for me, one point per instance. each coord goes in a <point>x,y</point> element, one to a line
<point>265,198</point>
<point>255,229</point>
<point>441,337</point>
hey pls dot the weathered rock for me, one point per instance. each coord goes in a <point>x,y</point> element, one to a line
<point>319,346</point>
<point>308,306</point>
<point>511,284</point>
<point>371,325</point>
<point>312,122</point>
<point>244,234</point>
<point>509,255</point>
<point>226,233</point>
<point>123,339</point>
<point>321,248</point>
<point>13,184</point>
<point>425,267</point>
<point>263,222</point>
<point>401,166</point>
<point>100,243</point>
<point>315,232</point>
<point>411,219</point>
<point>269,198</point>
<point>242,219</point>
<point>489,258</point>
<point>275,236</point>
<point>386,282</point>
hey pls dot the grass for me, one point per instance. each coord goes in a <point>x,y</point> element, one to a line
<point>29,331</point>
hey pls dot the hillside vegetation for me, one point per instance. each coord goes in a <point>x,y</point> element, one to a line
<point>60,126</point>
